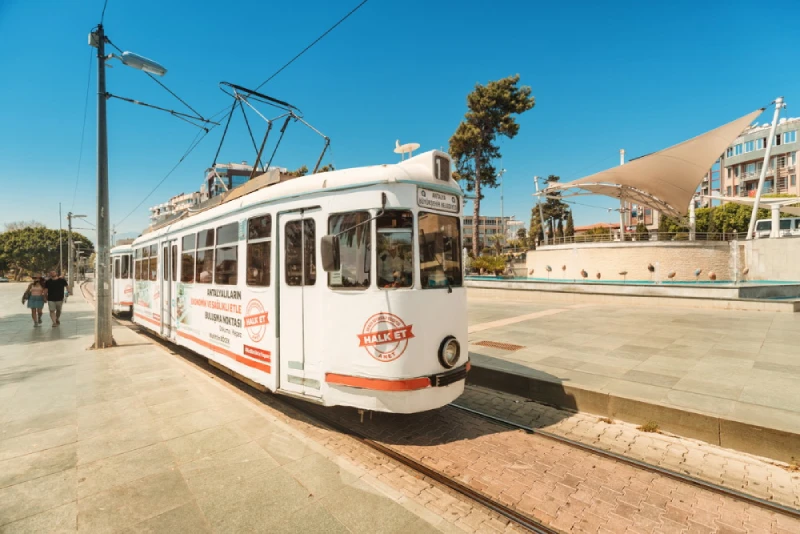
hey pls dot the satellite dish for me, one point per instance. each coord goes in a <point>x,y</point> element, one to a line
<point>407,148</point>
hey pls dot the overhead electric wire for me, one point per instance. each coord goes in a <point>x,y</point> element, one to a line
<point>83,128</point>
<point>192,146</point>
<point>318,39</point>
<point>103,14</point>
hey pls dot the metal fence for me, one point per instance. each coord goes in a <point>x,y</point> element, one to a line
<point>652,236</point>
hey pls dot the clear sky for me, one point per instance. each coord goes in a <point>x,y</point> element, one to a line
<point>606,75</point>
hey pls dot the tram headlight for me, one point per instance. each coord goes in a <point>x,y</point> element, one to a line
<point>449,351</point>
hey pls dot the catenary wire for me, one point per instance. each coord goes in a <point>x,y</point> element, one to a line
<point>192,146</point>
<point>83,128</point>
<point>103,14</point>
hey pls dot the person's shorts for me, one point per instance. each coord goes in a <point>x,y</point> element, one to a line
<point>55,305</point>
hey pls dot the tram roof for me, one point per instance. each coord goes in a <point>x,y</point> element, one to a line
<point>418,169</point>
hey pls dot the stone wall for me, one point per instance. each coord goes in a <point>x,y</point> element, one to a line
<point>772,259</point>
<point>609,259</point>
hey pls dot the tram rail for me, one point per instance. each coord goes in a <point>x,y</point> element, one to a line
<point>529,523</point>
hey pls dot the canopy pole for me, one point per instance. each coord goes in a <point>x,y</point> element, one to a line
<point>770,141</point>
<point>621,217</point>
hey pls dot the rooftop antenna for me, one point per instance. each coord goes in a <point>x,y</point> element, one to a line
<point>407,148</point>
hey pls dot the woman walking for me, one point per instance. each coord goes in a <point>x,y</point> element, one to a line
<point>35,297</point>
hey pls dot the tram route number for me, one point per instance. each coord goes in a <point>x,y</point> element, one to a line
<point>427,198</point>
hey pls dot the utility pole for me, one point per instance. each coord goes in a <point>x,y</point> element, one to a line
<point>69,253</point>
<point>541,212</point>
<point>770,141</point>
<point>502,218</point>
<point>621,201</point>
<point>60,246</point>
<point>102,325</point>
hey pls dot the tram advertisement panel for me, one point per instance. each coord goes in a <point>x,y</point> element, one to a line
<point>223,321</point>
<point>143,297</point>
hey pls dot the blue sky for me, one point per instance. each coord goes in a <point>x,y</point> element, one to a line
<point>606,75</point>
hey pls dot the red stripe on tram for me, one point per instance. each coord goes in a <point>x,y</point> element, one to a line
<point>378,384</point>
<point>148,319</point>
<point>226,352</point>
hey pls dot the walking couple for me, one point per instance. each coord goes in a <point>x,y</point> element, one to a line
<point>52,291</point>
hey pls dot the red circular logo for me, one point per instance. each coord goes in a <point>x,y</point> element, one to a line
<point>255,320</point>
<point>385,336</point>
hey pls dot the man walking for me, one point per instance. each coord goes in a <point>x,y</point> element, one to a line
<point>54,295</point>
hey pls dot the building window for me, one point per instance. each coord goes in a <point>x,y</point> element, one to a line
<point>355,248</point>
<point>395,249</point>
<point>760,143</point>
<point>204,266</point>
<point>153,263</point>
<point>729,153</point>
<point>187,259</point>
<point>794,158</point>
<point>259,251</point>
<point>226,255</point>
<point>736,171</point>
<point>751,168</point>
<point>749,146</point>
<point>737,149</point>
<point>301,264</point>
<point>790,137</point>
<point>729,191</point>
<point>793,180</point>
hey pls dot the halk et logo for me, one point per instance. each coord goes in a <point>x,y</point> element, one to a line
<point>256,320</point>
<point>385,336</point>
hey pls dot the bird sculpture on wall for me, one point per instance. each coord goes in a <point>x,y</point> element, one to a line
<point>584,274</point>
<point>623,274</point>
<point>712,275</point>
<point>651,269</point>
<point>598,276</point>
<point>671,275</point>
<point>697,274</point>
<point>530,273</point>
<point>549,270</point>
<point>744,273</point>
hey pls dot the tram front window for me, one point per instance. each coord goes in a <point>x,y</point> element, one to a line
<point>395,258</point>
<point>439,248</point>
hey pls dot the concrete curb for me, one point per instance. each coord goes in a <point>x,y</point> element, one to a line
<point>745,437</point>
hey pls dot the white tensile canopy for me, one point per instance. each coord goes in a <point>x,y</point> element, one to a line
<point>665,180</point>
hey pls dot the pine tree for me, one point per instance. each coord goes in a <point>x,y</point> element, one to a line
<point>570,231</point>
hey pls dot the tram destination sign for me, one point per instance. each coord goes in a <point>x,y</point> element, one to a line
<point>428,198</point>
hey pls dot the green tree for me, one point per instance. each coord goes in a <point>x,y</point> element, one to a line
<point>303,170</point>
<point>492,108</point>
<point>560,229</point>
<point>34,249</point>
<point>554,207</point>
<point>19,225</point>
<point>536,232</point>
<point>570,231</point>
<point>521,233</point>
<point>641,232</point>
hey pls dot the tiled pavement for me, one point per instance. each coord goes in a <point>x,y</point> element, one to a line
<point>135,439</point>
<point>735,364</point>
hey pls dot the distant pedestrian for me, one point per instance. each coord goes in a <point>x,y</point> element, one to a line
<point>54,295</point>
<point>34,295</point>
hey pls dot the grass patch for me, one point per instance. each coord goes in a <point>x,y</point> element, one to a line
<point>650,426</point>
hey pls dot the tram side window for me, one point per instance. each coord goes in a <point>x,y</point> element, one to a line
<point>174,263</point>
<point>116,268</point>
<point>153,263</point>
<point>395,249</point>
<point>142,264</point>
<point>301,263</point>
<point>355,248</point>
<point>439,250</point>
<point>226,265</point>
<point>259,250</point>
<point>204,268</point>
<point>126,266</point>
<point>187,259</point>
<point>164,263</point>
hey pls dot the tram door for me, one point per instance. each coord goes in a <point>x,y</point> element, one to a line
<point>169,251</point>
<point>300,287</point>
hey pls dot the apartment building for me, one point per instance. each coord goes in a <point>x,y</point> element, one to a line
<point>489,226</point>
<point>743,161</point>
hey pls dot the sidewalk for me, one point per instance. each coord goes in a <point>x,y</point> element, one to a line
<point>133,438</point>
<point>722,376</point>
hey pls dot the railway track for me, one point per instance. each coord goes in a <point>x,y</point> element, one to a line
<point>514,516</point>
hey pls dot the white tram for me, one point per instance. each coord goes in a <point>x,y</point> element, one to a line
<point>122,279</point>
<point>343,288</point>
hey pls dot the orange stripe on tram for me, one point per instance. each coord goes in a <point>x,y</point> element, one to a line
<point>378,384</point>
<point>125,303</point>
<point>226,352</point>
<point>148,319</point>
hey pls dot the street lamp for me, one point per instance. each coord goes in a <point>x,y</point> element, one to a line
<point>500,174</point>
<point>102,324</point>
